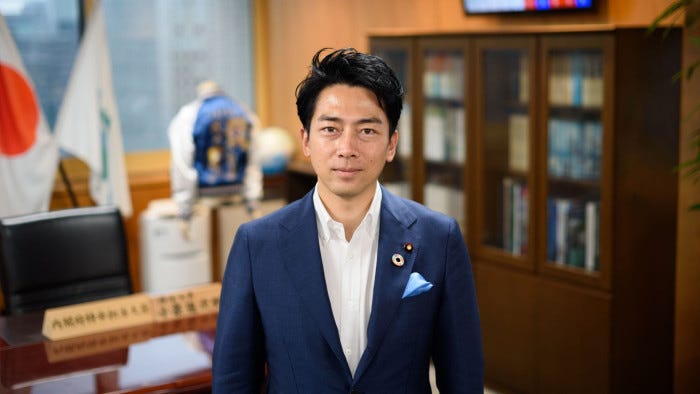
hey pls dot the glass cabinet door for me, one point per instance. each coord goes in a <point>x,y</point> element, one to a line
<point>444,139</point>
<point>397,175</point>
<point>505,149</point>
<point>574,125</point>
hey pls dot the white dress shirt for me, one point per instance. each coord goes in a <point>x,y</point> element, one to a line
<point>349,269</point>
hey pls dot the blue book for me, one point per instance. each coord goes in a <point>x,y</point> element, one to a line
<point>576,79</point>
<point>551,229</point>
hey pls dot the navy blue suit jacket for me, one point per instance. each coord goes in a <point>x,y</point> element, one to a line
<point>275,309</point>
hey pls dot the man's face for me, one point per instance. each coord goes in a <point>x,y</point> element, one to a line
<point>348,142</point>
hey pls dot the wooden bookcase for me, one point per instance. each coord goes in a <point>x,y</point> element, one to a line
<point>567,144</point>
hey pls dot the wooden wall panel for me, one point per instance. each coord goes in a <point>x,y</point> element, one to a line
<point>504,324</point>
<point>576,320</point>
<point>687,327</point>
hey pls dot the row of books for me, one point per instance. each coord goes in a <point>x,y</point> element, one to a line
<point>444,75</point>
<point>400,188</point>
<point>576,79</point>
<point>524,80</point>
<point>441,198</point>
<point>447,200</point>
<point>518,142</point>
<point>444,134</point>
<point>519,79</point>
<point>515,215</point>
<point>573,233</point>
<point>405,148</point>
<point>575,149</point>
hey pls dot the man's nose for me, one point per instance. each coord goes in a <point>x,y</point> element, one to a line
<point>347,144</point>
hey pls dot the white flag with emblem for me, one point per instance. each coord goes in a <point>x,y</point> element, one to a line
<point>28,152</point>
<point>88,126</point>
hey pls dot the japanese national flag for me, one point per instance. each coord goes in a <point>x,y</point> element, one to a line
<point>28,152</point>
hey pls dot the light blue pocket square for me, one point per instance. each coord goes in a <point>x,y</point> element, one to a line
<point>416,285</point>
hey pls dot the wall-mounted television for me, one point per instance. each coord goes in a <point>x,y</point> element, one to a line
<point>522,6</point>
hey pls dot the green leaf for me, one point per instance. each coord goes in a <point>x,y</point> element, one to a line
<point>690,19</point>
<point>677,76</point>
<point>689,115</point>
<point>691,69</point>
<point>692,174</point>
<point>673,8</point>
<point>691,166</point>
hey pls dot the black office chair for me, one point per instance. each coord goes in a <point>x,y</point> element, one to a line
<point>62,257</point>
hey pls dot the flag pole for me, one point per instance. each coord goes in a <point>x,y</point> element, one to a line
<point>82,5</point>
<point>67,184</point>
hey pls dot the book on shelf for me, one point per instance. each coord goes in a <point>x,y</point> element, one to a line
<point>405,133</point>
<point>447,200</point>
<point>518,142</point>
<point>575,235</point>
<point>443,75</point>
<point>592,145</point>
<point>551,229</point>
<point>572,233</point>
<point>507,204</point>
<point>434,133</point>
<point>559,147</point>
<point>592,240</point>
<point>524,80</point>
<point>516,212</point>
<point>458,151</point>
<point>399,188</point>
<point>444,134</point>
<point>574,149</point>
<point>575,76</point>
<point>515,215</point>
<point>562,212</point>
<point>592,81</point>
<point>559,86</point>
<point>454,81</point>
<point>576,79</point>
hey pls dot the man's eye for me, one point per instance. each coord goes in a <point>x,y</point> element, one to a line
<point>329,129</point>
<point>368,131</point>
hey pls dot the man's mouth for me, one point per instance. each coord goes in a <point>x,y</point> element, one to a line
<point>346,170</point>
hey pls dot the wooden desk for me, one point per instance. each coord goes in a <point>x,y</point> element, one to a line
<point>172,357</point>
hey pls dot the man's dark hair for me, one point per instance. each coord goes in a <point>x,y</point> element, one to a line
<point>350,67</point>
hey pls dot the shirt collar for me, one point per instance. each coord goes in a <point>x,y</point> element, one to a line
<point>327,226</point>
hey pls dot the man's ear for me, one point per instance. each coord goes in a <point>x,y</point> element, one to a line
<point>304,141</point>
<point>393,143</point>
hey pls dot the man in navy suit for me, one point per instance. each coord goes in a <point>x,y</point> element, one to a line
<point>350,289</point>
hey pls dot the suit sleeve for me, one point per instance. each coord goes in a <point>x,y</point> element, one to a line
<point>238,359</point>
<point>458,353</point>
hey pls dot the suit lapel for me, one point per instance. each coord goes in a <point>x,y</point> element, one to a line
<point>390,280</point>
<point>299,245</point>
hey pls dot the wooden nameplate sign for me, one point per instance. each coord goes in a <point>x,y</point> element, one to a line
<point>97,316</point>
<point>194,301</point>
<point>129,311</point>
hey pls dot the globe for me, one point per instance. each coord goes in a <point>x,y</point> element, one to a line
<point>275,148</point>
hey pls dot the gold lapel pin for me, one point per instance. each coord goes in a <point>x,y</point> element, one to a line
<point>408,247</point>
<point>397,259</point>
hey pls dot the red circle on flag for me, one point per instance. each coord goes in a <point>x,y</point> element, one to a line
<point>19,113</point>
